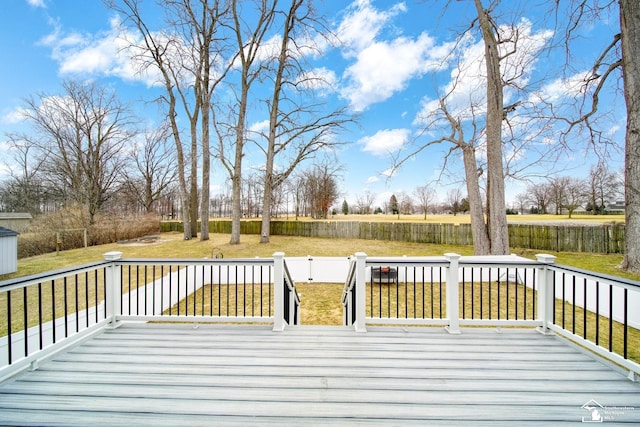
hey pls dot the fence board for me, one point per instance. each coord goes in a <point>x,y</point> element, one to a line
<point>603,238</point>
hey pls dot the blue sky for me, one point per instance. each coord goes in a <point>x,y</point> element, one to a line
<point>393,64</point>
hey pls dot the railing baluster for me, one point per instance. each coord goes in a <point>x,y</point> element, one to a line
<point>53,308</point>
<point>584,310</point>
<point>9,329</point>
<point>211,291</point>
<point>481,296</point>
<point>564,298</point>
<point>75,276</point>
<point>96,292</point>
<point>625,340</point>
<point>573,306</point>
<point>598,312</point>
<point>441,299</point>
<point>25,309</point>
<point>464,300</point>
<point>610,317</point>
<point>86,298</point>
<point>170,289</point>
<point>516,291</point>
<point>473,294</point>
<point>526,291</point>
<point>508,300</point>
<point>499,292</point>
<point>66,314</point>
<point>40,315</point>
<point>490,283</point>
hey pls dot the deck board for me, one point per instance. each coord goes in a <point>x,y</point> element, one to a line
<point>155,374</point>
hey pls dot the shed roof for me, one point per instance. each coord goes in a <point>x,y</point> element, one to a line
<point>15,215</point>
<point>5,232</point>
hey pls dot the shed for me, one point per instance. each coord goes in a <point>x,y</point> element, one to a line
<point>8,251</point>
<point>18,221</point>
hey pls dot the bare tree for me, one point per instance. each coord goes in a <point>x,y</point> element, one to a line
<point>521,202</point>
<point>454,200</point>
<point>574,195</point>
<point>603,186</point>
<point>24,190</point>
<point>630,30</point>
<point>558,192</point>
<point>365,202</point>
<point>426,196</point>
<point>299,125</point>
<point>154,169</point>
<point>189,57</point>
<point>475,121</point>
<point>248,32</point>
<point>540,195</point>
<point>321,188</point>
<point>405,205</point>
<point>621,54</point>
<point>473,171</point>
<point>81,136</point>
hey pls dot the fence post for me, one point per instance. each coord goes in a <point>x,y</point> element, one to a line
<point>453,294</point>
<point>361,292</point>
<point>545,292</point>
<point>278,291</point>
<point>112,297</point>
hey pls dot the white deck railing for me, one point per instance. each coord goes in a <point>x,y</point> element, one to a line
<point>48,312</point>
<point>598,312</point>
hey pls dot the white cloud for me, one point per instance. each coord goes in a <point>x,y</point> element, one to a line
<point>562,88</point>
<point>372,179</point>
<point>37,3</point>
<point>15,116</point>
<point>384,68</point>
<point>260,127</point>
<point>389,172</point>
<point>362,24</point>
<point>384,142</point>
<point>467,84</point>
<point>320,79</point>
<point>107,53</point>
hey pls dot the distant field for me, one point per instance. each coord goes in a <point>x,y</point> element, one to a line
<point>466,219</point>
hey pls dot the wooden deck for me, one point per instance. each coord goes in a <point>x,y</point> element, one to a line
<point>142,374</point>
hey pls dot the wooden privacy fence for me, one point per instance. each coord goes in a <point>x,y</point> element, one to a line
<point>601,238</point>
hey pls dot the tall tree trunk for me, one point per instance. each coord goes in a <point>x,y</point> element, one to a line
<point>481,244</point>
<point>630,29</point>
<point>206,178</point>
<point>497,217</point>
<point>236,177</point>
<point>193,178</point>
<point>267,199</point>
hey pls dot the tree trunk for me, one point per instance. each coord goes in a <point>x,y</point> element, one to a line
<point>206,173</point>
<point>481,244</point>
<point>630,29</point>
<point>497,217</point>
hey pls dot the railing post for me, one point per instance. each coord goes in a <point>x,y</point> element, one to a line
<point>278,291</point>
<point>361,292</point>
<point>453,294</point>
<point>545,292</point>
<point>113,277</point>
